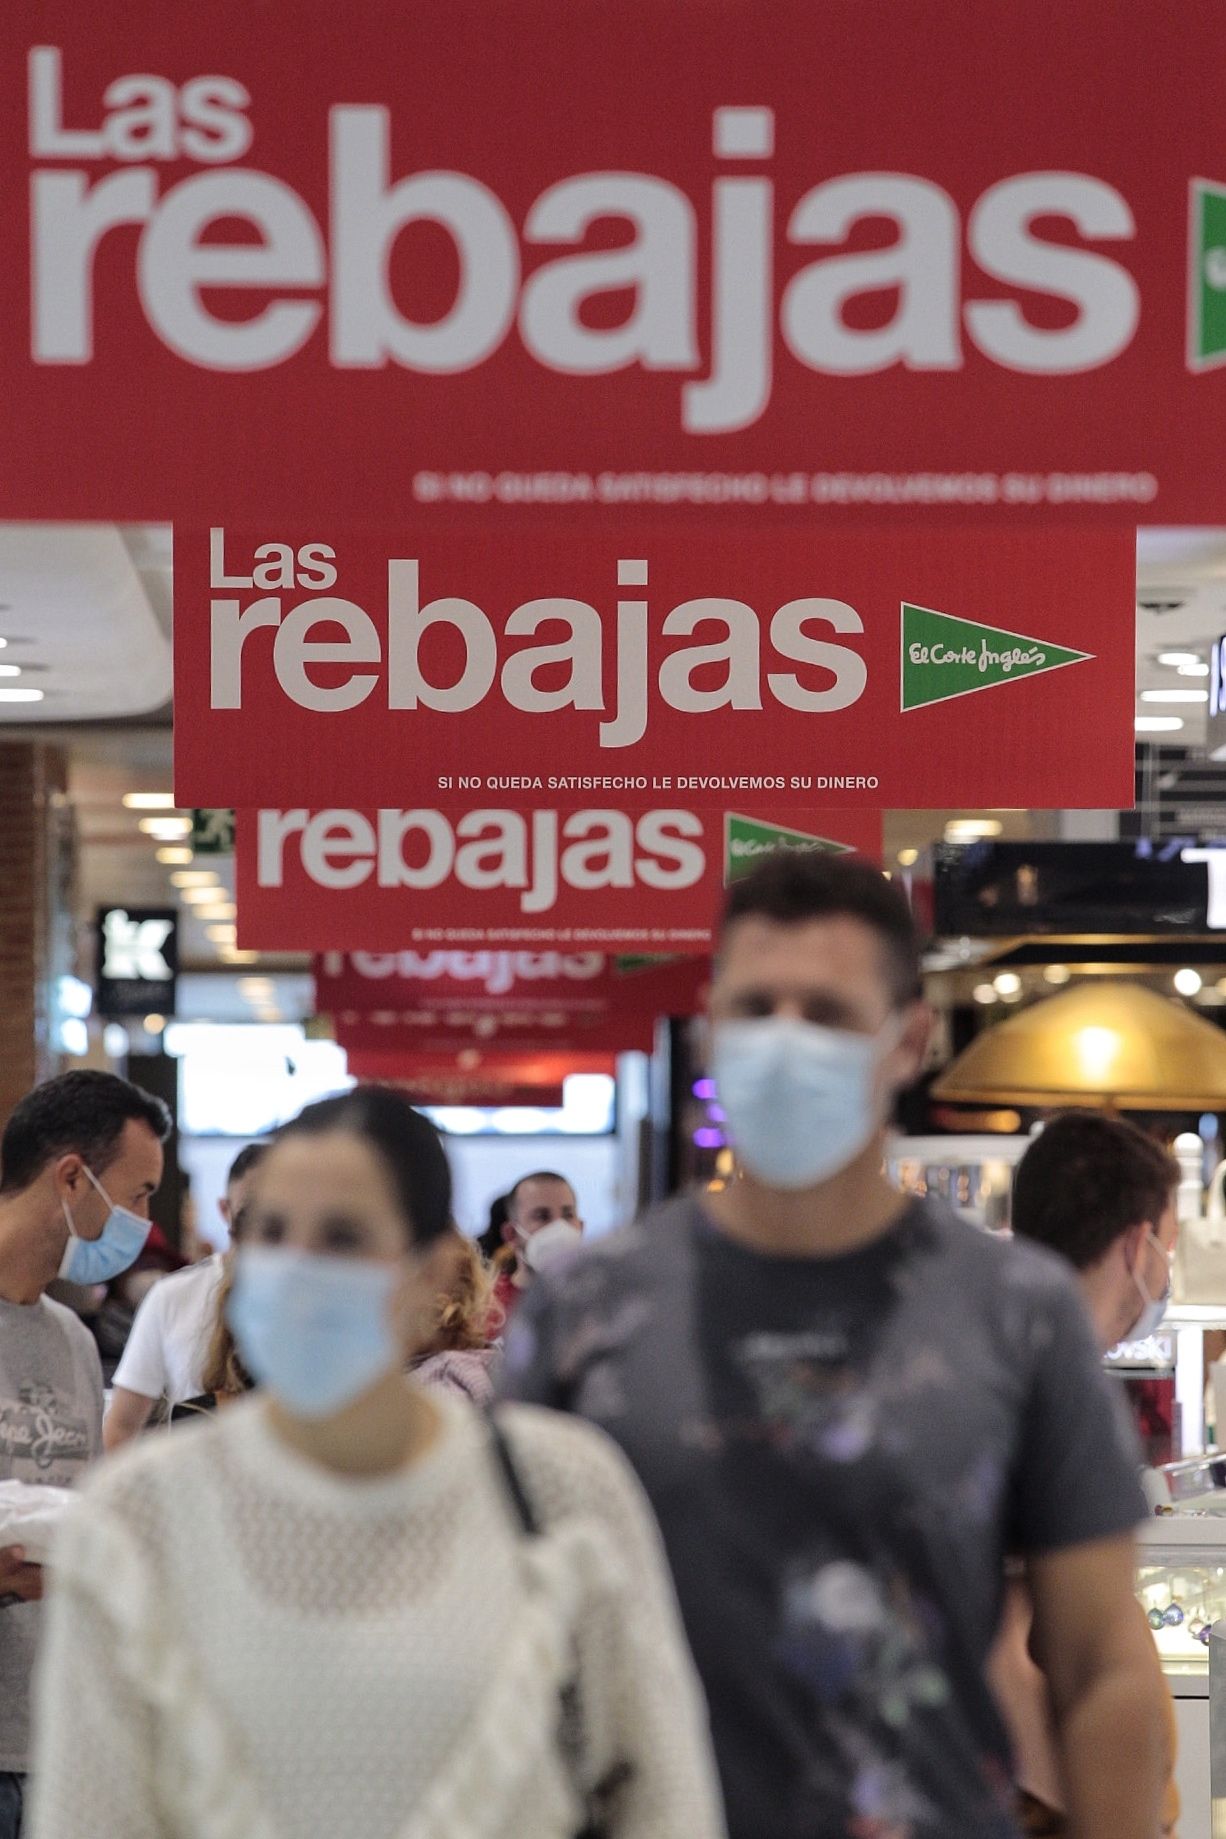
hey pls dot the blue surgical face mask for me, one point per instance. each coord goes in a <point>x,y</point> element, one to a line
<point>800,1100</point>
<point>316,1331</point>
<point>1150,1319</point>
<point>117,1247</point>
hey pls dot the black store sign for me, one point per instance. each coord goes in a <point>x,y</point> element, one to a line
<point>138,960</point>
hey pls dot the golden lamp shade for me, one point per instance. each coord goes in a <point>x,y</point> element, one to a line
<point>1103,1044</point>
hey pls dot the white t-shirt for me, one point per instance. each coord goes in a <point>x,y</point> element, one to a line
<point>242,1645</point>
<point>170,1337</point>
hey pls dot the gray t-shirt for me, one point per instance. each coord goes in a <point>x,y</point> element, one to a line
<point>841,1453</point>
<point>50,1427</point>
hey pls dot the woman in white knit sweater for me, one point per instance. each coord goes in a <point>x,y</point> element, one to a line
<point>323,1615</point>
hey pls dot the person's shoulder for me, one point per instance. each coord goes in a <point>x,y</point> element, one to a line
<point>181,1286</point>
<point>59,1319</point>
<point>1004,1258</point>
<point>640,1249</point>
<point>153,1466</point>
<point>569,1466</point>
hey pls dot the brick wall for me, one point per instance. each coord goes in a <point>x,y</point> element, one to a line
<point>31,774</point>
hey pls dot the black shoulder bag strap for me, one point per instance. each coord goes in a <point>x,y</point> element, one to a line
<point>596,1801</point>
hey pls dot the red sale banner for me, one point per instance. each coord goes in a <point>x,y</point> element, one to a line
<point>430,1031</point>
<point>601,879</point>
<point>472,1078</point>
<point>897,669</point>
<point>524,986</point>
<point>941,260</point>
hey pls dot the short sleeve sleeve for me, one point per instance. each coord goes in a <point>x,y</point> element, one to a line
<point>142,1367</point>
<point>1076,1475</point>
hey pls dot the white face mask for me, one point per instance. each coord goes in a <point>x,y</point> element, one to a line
<point>1150,1319</point>
<point>800,1100</point>
<point>556,1239</point>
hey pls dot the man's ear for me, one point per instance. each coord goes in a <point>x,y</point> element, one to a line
<point>912,1050</point>
<point>508,1233</point>
<point>68,1175</point>
<point>1131,1242</point>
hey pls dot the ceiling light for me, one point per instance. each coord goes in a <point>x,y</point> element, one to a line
<point>222,935</point>
<point>21,695</point>
<point>229,955</point>
<point>985,993</point>
<point>193,877</point>
<point>1008,983</point>
<point>1187,982</point>
<point>972,829</point>
<point>218,910</point>
<point>1157,724</point>
<point>1176,659</point>
<point>154,1024</point>
<point>1193,670</point>
<point>149,801</point>
<point>253,987</point>
<point>1058,974</point>
<point>173,852</point>
<point>200,892</point>
<point>10,670</point>
<point>1174,695</point>
<point>166,829</point>
<point>908,857</point>
<point>3,643</point>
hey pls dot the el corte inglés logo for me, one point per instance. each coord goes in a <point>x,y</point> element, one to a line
<point>748,839</point>
<point>944,657</point>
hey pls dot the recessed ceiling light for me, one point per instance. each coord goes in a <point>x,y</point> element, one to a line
<point>193,877</point>
<point>21,695</point>
<point>229,955</point>
<point>1192,670</point>
<point>1157,724</point>
<point>1174,659</point>
<point>1008,983</point>
<point>166,829</point>
<point>218,910</point>
<point>10,670</point>
<point>149,801</point>
<point>1174,695</point>
<point>908,857</point>
<point>222,935</point>
<point>1058,974</point>
<point>154,1024</point>
<point>985,993</point>
<point>1187,982</point>
<point>173,853</point>
<point>200,892</point>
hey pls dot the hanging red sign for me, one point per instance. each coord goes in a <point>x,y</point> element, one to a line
<point>903,669</point>
<point>511,880</point>
<point>828,271</point>
<point>523,987</point>
<point>471,1078</point>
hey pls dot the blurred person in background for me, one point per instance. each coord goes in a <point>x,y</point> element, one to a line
<point>848,1406</point>
<point>80,1160</point>
<point>459,1355</point>
<point>542,1225</point>
<point>351,1606</point>
<point>1101,1194</point>
<point>494,1238</point>
<point>172,1334</point>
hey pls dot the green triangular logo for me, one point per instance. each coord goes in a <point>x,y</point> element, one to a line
<point>748,839</point>
<point>1207,275</point>
<point>943,657</point>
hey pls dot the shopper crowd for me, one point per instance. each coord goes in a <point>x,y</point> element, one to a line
<point>808,1512</point>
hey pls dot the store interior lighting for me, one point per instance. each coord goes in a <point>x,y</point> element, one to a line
<point>1157,724</point>
<point>1188,982</point>
<point>166,829</point>
<point>21,695</point>
<point>193,877</point>
<point>1173,696</point>
<point>149,801</point>
<point>171,854</point>
<point>972,829</point>
<point>1058,974</point>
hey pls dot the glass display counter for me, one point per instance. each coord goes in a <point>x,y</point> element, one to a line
<point>1181,1585</point>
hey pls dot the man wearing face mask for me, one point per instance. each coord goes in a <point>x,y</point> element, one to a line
<point>848,1407</point>
<point>80,1160</point>
<point>542,1225</point>
<point>1100,1193</point>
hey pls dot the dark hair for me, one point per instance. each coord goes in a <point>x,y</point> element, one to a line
<point>791,886</point>
<point>247,1159</point>
<point>491,1240</point>
<point>1085,1180</point>
<point>536,1175</point>
<point>408,1144</point>
<point>80,1113</point>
